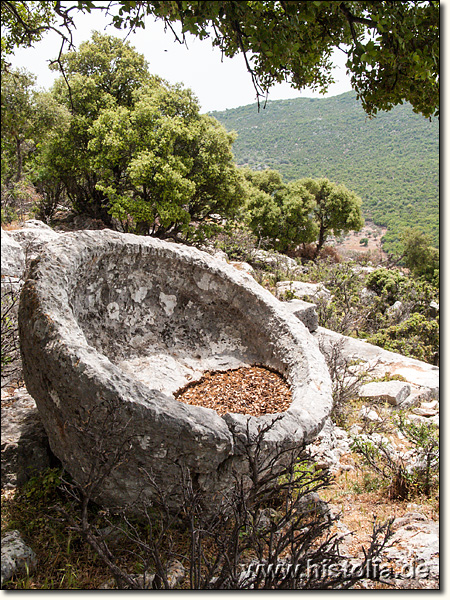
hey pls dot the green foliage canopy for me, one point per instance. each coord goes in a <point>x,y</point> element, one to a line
<point>419,255</point>
<point>23,24</point>
<point>392,47</point>
<point>27,119</point>
<point>278,212</point>
<point>18,121</point>
<point>336,208</point>
<point>301,211</point>
<point>163,164</point>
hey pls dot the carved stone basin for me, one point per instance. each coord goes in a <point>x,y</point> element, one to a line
<point>112,325</point>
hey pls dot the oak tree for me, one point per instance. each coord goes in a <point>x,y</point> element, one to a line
<point>336,210</point>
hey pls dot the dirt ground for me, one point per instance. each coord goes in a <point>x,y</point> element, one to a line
<point>350,244</point>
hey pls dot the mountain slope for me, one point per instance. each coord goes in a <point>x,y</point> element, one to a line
<point>391,161</point>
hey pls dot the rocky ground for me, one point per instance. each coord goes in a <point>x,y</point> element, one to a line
<point>413,553</point>
<point>397,385</point>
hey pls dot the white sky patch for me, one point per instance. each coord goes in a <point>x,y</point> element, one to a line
<point>218,83</point>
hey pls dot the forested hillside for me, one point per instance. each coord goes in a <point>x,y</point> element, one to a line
<point>391,161</point>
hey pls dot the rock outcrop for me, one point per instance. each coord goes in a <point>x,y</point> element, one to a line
<point>422,377</point>
<point>394,392</point>
<point>112,325</point>
<point>25,447</point>
<point>13,257</point>
<point>17,557</point>
<point>302,289</point>
<point>32,236</point>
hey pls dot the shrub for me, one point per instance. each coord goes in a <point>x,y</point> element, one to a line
<point>403,474</point>
<point>347,376</point>
<point>417,336</point>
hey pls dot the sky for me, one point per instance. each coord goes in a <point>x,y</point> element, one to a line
<point>218,84</point>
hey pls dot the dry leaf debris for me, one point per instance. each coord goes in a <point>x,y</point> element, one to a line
<point>248,390</point>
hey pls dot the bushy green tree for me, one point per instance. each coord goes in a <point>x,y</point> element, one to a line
<point>103,74</point>
<point>262,211</point>
<point>419,255</point>
<point>279,212</point>
<point>301,211</point>
<point>137,149</point>
<point>104,71</point>
<point>162,164</point>
<point>19,122</point>
<point>336,209</point>
<point>28,118</point>
<point>296,226</point>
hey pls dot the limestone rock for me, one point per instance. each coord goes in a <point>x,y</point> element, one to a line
<point>175,573</point>
<point>415,397</point>
<point>213,251</point>
<point>396,310</point>
<point>32,236</point>
<point>394,392</point>
<point>329,446</point>
<point>17,557</point>
<point>368,414</point>
<point>434,309</point>
<point>220,254</point>
<point>312,504</point>
<point>12,270</point>
<point>242,266</point>
<point>420,419</point>
<point>25,447</point>
<point>274,261</point>
<point>367,295</point>
<point>301,289</point>
<point>425,412</point>
<point>112,325</point>
<point>408,518</point>
<point>415,542</point>
<point>305,312</point>
<point>13,257</point>
<point>430,405</point>
<point>422,375</point>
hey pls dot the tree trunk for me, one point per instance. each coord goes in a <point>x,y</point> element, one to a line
<point>19,159</point>
<point>320,241</point>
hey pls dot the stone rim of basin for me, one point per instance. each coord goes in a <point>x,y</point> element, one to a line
<point>71,381</point>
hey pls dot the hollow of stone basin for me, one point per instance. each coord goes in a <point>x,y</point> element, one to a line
<point>112,325</point>
<point>248,390</point>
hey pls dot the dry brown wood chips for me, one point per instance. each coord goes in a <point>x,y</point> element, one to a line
<point>249,390</point>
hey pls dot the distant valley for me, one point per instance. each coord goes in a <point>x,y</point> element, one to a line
<point>391,161</point>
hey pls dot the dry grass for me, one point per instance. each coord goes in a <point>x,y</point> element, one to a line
<point>65,561</point>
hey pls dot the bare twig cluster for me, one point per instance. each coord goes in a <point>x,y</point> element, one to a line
<point>347,376</point>
<point>11,368</point>
<point>265,533</point>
